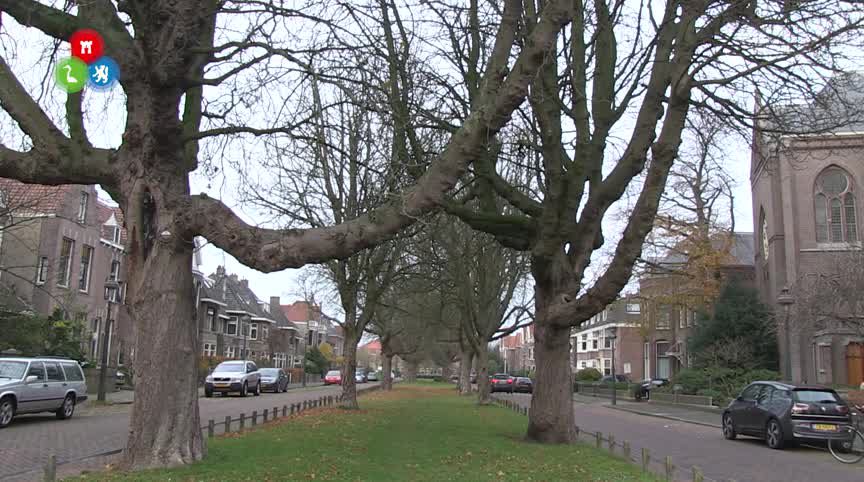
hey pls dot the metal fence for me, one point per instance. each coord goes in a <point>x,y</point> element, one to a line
<point>662,466</point>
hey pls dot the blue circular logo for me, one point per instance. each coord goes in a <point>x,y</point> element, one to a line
<point>103,73</point>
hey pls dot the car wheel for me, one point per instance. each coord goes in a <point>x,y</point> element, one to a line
<point>728,427</point>
<point>257,389</point>
<point>7,411</point>
<point>243,390</point>
<point>67,409</point>
<point>774,435</point>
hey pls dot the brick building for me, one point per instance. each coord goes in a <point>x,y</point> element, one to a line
<point>805,194</point>
<point>591,348</point>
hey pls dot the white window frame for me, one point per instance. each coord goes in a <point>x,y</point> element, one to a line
<point>235,321</point>
<point>253,331</point>
<point>229,351</point>
<point>85,271</point>
<point>265,332</point>
<point>42,270</point>
<point>66,271</point>
<point>633,307</point>
<point>115,235</point>
<point>209,349</point>
<point>82,206</point>
<point>211,319</point>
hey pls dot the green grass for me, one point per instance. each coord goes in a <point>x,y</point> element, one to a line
<point>417,432</point>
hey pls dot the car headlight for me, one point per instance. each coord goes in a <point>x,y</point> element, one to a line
<point>209,379</point>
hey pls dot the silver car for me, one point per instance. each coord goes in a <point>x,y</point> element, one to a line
<point>233,376</point>
<point>32,385</point>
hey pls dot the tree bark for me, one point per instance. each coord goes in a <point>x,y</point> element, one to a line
<point>411,371</point>
<point>484,390</point>
<point>349,370</point>
<point>551,419</point>
<point>465,372</point>
<point>165,429</point>
<point>387,368</point>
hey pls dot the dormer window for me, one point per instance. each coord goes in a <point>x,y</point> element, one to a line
<point>115,235</point>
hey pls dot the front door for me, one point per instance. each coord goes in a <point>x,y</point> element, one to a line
<point>855,364</point>
<point>34,394</point>
<point>56,386</point>
<point>743,409</point>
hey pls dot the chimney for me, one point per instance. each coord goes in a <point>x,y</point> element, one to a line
<point>275,305</point>
<point>244,283</point>
<point>220,271</point>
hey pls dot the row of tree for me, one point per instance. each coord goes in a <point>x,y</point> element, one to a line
<point>527,120</point>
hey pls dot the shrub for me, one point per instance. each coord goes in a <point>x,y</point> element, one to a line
<point>723,384</point>
<point>588,375</point>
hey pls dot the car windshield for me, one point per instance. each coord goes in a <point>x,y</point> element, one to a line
<point>231,367</point>
<point>12,370</point>
<point>270,372</point>
<point>333,373</point>
<point>815,396</point>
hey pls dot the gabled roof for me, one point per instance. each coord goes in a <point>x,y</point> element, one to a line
<point>109,216</point>
<point>742,251</point>
<point>837,109</point>
<point>33,198</point>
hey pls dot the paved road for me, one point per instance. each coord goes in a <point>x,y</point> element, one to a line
<point>26,444</point>
<point>691,445</point>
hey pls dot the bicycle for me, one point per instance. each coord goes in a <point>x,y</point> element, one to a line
<point>850,451</point>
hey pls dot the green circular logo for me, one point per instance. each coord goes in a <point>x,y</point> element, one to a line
<point>71,74</point>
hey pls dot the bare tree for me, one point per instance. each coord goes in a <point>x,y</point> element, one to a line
<point>194,77</point>
<point>606,116</point>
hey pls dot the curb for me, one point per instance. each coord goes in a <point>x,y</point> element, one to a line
<point>667,417</point>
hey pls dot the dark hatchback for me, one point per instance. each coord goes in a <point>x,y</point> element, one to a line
<point>523,385</point>
<point>782,413</point>
<point>274,380</point>
<point>502,382</point>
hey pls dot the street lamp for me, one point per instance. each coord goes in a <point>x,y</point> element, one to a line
<point>611,334</point>
<point>112,295</point>
<point>785,299</point>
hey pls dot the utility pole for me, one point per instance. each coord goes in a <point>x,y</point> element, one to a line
<point>786,300</point>
<point>612,335</point>
<point>112,292</point>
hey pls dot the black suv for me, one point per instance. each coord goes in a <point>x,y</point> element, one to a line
<point>782,413</point>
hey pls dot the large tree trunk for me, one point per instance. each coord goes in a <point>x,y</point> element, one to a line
<point>349,370</point>
<point>484,390</point>
<point>387,369</point>
<point>551,419</point>
<point>411,371</point>
<point>465,360</point>
<point>165,429</point>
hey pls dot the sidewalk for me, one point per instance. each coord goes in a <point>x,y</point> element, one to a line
<point>678,413</point>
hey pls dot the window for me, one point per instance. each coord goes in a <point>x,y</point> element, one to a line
<point>211,319</point>
<point>66,250</point>
<point>232,325</point>
<point>682,317</point>
<point>229,352</point>
<point>627,368</point>
<point>37,370</point>
<point>55,374</point>
<point>115,235</point>
<point>633,308</point>
<point>607,342</point>
<point>664,318</point>
<point>265,332</point>
<point>834,203</point>
<point>253,333</point>
<point>763,230</point>
<point>84,272</point>
<point>750,393</point>
<point>607,367</point>
<point>664,362</point>
<point>73,372</point>
<point>114,275</point>
<point>209,349</point>
<point>594,344</point>
<point>82,207</point>
<point>646,360</point>
<point>42,270</point>
<point>583,364</point>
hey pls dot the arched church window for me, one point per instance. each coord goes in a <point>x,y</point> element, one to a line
<point>836,219</point>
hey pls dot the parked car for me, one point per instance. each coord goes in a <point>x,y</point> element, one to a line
<point>643,391</point>
<point>618,379</point>
<point>32,385</point>
<point>782,413</point>
<point>360,377</point>
<point>274,379</point>
<point>120,378</point>
<point>372,377</point>
<point>523,385</point>
<point>502,382</point>
<point>241,376</point>
<point>333,377</point>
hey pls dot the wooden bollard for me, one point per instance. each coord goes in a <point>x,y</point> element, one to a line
<point>228,424</point>
<point>670,469</point>
<point>304,405</point>
<point>242,421</point>
<point>697,474</point>
<point>646,459</point>
<point>266,413</point>
<point>284,410</point>
<point>599,439</point>
<point>275,413</point>
<point>626,449</point>
<point>577,433</point>
<point>611,443</point>
<point>211,428</point>
<point>51,468</point>
<point>254,417</point>
<point>292,409</point>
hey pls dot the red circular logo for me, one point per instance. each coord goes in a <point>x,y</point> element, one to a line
<point>87,45</point>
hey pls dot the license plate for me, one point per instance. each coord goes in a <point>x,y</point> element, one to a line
<point>222,384</point>
<point>824,427</point>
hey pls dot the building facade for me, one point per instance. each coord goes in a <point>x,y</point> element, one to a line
<point>59,246</point>
<point>806,192</point>
<point>591,346</point>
